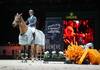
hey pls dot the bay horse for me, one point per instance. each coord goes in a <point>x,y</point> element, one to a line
<point>26,37</point>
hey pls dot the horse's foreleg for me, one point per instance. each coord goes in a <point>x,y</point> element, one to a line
<point>24,53</point>
<point>33,51</point>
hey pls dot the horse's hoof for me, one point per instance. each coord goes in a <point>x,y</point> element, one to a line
<point>32,60</point>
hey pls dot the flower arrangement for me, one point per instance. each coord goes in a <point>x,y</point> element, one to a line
<point>74,52</point>
<point>54,54</point>
<point>78,54</point>
<point>46,55</point>
<point>94,56</point>
<point>61,54</point>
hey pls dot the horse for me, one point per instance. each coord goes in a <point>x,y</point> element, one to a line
<point>27,37</point>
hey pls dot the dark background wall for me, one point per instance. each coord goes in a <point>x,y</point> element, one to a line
<point>43,8</point>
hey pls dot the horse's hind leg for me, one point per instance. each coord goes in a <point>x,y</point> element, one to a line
<point>33,51</point>
<point>38,51</point>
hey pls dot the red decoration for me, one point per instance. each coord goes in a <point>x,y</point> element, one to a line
<point>69,31</point>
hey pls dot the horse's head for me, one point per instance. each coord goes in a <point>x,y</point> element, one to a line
<point>17,20</point>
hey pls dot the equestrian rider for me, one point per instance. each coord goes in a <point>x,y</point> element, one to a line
<point>31,21</point>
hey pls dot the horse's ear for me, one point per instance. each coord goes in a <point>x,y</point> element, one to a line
<point>17,14</point>
<point>21,14</point>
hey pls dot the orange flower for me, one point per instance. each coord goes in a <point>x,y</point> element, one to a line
<point>74,52</point>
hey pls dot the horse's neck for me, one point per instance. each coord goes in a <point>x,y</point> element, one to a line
<point>22,26</point>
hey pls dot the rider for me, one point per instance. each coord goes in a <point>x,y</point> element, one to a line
<point>31,21</point>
